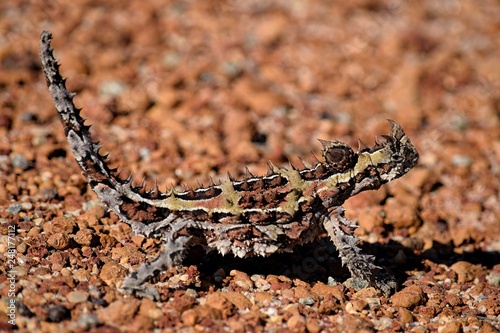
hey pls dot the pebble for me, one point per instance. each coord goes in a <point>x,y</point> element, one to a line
<point>14,209</point>
<point>399,215</point>
<point>405,316</point>
<point>263,297</point>
<point>296,323</point>
<point>77,296</point>
<point>87,321</point>
<point>58,313</point>
<point>58,241</point>
<point>238,299</point>
<point>313,325</point>
<point>111,88</point>
<point>465,270</point>
<point>19,161</point>
<point>111,272</point>
<point>359,304</point>
<point>83,237</point>
<point>219,275</point>
<point>307,300</point>
<point>242,279</point>
<point>119,312</point>
<point>217,301</point>
<point>322,289</point>
<point>301,291</point>
<point>150,309</point>
<point>189,317</point>
<point>451,327</point>
<point>409,297</point>
<point>494,278</point>
<point>81,275</point>
<point>382,324</point>
<point>19,271</point>
<point>461,160</point>
<point>356,283</point>
<point>60,225</point>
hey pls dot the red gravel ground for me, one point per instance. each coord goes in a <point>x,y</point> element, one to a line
<point>181,91</point>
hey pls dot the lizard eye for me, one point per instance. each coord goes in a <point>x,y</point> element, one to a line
<point>397,158</point>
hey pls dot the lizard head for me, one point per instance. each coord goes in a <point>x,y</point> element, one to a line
<point>392,156</point>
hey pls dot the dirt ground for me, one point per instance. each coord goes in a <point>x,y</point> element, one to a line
<point>184,91</point>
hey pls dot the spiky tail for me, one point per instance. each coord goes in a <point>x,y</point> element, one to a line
<point>130,203</point>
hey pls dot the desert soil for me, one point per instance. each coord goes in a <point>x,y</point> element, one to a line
<point>184,91</point>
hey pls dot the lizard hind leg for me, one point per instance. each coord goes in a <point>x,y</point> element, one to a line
<point>359,265</point>
<point>172,254</point>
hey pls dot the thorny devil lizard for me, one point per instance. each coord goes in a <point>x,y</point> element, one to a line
<point>253,216</point>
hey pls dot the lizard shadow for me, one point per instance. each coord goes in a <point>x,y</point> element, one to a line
<point>319,261</point>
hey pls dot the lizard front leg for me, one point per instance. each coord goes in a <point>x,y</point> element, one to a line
<point>360,265</point>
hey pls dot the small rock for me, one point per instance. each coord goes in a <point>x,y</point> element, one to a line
<point>77,296</point>
<point>307,300</point>
<point>366,293</point>
<point>26,206</point>
<point>83,237</point>
<point>111,88</point>
<point>81,275</point>
<point>218,301</point>
<point>263,297</point>
<point>59,225</point>
<point>241,279</point>
<point>359,304</point>
<point>356,283</point>
<point>461,160</point>
<point>137,240</point>
<point>111,272</point>
<point>301,292</point>
<point>14,209</point>
<point>400,216</point>
<point>87,321</point>
<point>313,325</point>
<point>237,299</point>
<point>119,312</point>
<point>140,324</point>
<point>408,297</point>
<point>58,241</point>
<point>206,311</point>
<point>219,275</point>
<point>19,271</point>
<point>189,317</point>
<point>236,325</point>
<point>19,161</point>
<point>296,323</point>
<point>58,313</point>
<point>494,278</point>
<point>451,327</point>
<point>466,271</point>
<point>349,308</point>
<point>405,316</point>
<point>322,289</point>
<point>453,300</point>
<point>150,309</point>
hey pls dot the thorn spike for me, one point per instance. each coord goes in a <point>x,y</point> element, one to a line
<point>361,146</point>
<point>247,171</point>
